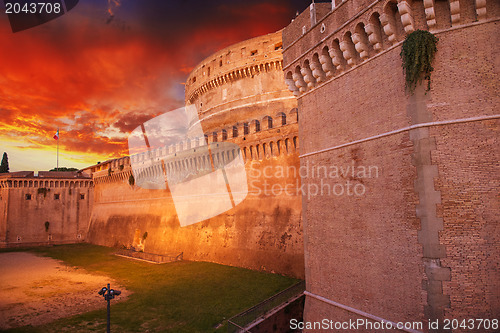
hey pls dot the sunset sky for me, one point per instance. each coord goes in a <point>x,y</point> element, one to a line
<point>97,76</point>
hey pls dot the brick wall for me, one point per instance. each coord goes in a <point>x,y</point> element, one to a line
<point>263,232</point>
<point>421,242</point>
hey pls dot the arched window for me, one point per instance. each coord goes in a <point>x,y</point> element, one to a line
<point>295,114</point>
<point>282,117</point>
<point>257,126</point>
<point>268,121</point>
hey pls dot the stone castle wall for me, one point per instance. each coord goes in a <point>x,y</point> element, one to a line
<point>419,238</point>
<point>27,203</point>
<point>241,98</point>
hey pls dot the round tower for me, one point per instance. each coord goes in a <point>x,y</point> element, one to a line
<point>241,90</point>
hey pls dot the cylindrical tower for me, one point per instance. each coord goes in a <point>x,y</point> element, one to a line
<point>239,88</point>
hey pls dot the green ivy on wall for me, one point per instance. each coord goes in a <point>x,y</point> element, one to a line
<point>417,54</point>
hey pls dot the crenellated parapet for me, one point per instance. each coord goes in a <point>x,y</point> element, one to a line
<point>239,61</point>
<point>350,33</point>
<point>19,183</point>
<point>28,180</point>
<point>257,139</point>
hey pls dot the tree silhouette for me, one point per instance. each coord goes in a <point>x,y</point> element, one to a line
<point>64,169</point>
<point>4,167</point>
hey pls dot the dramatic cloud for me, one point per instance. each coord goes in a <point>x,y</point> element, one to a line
<point>97,78</point>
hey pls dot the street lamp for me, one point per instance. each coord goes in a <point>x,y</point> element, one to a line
<point>109,294</point>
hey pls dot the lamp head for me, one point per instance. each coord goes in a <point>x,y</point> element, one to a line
<point>115,292</point>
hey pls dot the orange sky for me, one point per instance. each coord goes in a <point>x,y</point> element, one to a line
<point>96,77</point>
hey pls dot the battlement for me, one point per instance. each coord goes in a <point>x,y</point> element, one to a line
<point>244,59</point>
<point>355,31</point>
<point>27,179</point>
<point>258,139</point>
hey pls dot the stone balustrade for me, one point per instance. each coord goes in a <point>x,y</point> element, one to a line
<point>372,31</point>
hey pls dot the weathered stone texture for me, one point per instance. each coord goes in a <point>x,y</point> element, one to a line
<point>469,182</point>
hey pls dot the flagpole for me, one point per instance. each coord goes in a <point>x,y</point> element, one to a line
<point>57,167</point>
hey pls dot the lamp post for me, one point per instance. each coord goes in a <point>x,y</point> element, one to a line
<point>109,294</point>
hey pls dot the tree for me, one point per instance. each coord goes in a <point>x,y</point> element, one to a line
<point>4,167</point>
<point>64,169</point>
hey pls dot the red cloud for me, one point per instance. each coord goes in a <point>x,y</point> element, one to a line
<point>98,81</point>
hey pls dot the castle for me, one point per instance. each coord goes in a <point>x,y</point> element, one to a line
<point>395,218</point>
<point>419,241</point>
<point>241,98</point>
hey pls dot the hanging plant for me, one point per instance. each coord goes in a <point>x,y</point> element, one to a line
<point>417,54</point>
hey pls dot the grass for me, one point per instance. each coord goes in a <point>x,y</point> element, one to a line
<point>175,297</point>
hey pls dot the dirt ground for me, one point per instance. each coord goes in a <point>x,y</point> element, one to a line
<point>37,290</point>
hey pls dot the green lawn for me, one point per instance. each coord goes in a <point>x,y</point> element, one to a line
<point>175,297</point>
